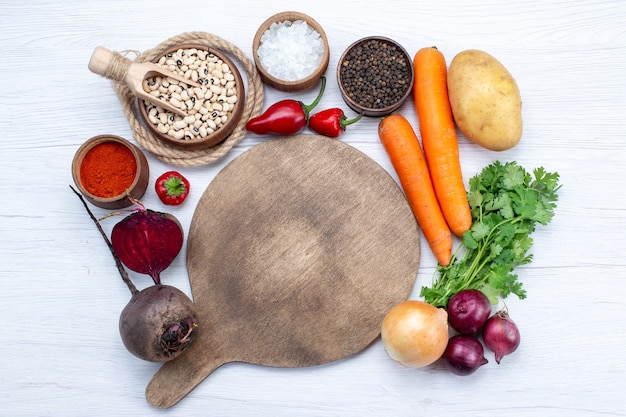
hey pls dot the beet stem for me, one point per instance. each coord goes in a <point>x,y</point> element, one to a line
<point>120,266</point>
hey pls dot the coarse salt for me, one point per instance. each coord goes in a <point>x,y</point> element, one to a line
<point>290,51</point>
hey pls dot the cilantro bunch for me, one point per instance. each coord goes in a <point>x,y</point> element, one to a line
<point>506,203</point>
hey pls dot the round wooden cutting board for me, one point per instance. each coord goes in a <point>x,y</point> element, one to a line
<point>296,251</point>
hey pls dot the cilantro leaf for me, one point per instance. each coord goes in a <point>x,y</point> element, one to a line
<point>507,202</point>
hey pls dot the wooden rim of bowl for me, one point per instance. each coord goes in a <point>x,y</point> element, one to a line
<point>298,85</point>
<point>367,111</point>
<point>225,130</point>
<point>136,189</point>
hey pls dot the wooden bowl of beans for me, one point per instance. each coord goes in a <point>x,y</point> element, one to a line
<point>291,51</point>
<point>375,76</point>
<point>212,110</point>
<point>107,169</point>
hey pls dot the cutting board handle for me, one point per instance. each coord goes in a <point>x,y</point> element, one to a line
<point>177,378</point>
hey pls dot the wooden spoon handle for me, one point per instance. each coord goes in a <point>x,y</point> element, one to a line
<point>175,379</point>
<point>101,63</point>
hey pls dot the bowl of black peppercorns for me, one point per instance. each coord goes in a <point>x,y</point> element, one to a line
<point>375,76</point>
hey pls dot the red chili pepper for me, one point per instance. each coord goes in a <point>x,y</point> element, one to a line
<point>331,122</point>
<point>172,188</point>
<point>285,117</point>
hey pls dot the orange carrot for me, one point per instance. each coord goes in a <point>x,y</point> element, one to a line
<point>406,156</point>
<point>430,93</point>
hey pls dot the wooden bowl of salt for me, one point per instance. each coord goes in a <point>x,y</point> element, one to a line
<point>291,51</point>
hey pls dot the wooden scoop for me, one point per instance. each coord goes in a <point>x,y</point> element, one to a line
<point>296,251</point>
<point>117,67</point>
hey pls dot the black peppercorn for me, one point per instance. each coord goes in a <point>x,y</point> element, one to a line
<point>375,74</point>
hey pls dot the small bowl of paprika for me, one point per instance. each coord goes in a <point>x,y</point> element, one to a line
<point>375,76</point>
<point>107,169</point>
<point>291,51</point>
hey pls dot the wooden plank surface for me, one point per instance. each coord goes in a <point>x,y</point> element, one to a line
<point>293,261</point>
<point>61,295</point>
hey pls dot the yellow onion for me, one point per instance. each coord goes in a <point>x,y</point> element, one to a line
<point>415,333</point>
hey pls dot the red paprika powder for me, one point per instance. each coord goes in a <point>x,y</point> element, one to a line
<point>108,169</point>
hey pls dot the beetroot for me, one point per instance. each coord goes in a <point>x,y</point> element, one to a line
<point>147,241</point>
<point>160,321</point>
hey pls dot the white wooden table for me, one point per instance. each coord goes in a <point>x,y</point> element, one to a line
<point>60,294</point>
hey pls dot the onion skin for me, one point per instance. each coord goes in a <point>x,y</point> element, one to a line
<point>464,355</point>
<point>468,311</point>
<point>501,335</point>
<point>415,333</point>
<point>147,242</point>
<point>158,323</point>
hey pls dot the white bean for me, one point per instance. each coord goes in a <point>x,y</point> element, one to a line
<point>199,92</point>
<point>180,124</point>
<point>175,102</point>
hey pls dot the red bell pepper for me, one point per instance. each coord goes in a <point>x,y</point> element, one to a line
<point>172,188</point>
<point>284,117</point>
<point>331,122</point>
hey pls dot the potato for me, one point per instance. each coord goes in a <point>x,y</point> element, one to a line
<point>485,100</point>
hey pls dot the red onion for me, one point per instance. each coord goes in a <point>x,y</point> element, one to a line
<point>147,241</point>
<point>468,310</point>
<point>501,334</point>
<point>464,355</point>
